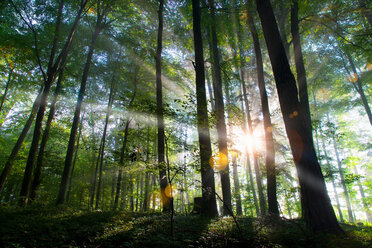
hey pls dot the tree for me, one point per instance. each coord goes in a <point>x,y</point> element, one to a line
<point>209,207</point>
<point>221,125</point>
<point>318,211</point>
<point>269,141</point>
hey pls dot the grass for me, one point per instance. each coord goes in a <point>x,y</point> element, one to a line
<point>66,228</point>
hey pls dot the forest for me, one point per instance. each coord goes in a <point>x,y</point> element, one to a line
<point>185,123</point>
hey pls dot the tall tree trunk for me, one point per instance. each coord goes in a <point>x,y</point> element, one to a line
<point>71,143</point>
<point>108,113</point>
<point>318,211</point>
<point>209,207</point>
<point>269,141</point>
<point>159,112</point>
<point>221,125</point>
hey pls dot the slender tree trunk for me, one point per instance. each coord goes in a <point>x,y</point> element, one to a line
<point>94,181</point>
<point>340,171</point>
<point>209,207</point>
<point>269,141</point>
<point>71,144</point>
<point>108,113</point>
<point>145,206</point>
<point>333,182</point>
<point>125,140</point>
<point>10,73</point>
<point>39,163</point>
<point>318,211</point>
<point>221,125</point>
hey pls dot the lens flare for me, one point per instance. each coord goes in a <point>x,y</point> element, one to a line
<point>219,161</point>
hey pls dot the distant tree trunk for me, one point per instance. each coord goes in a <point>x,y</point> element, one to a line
<point>238,198</point>
<point>39,162</point>
<point>146,202</point>
<point>160,116</point>
<point>343,184</point>
<point>10,73</point>
<point>210,91</point>
<point>108,113</point>
<point>209,207</point>
<point>75,158</point>
<point>131,189</point>
<point>364,199</point>
<point>318,211</point>
<point>221,125</point>
<point>333,182</point>
<point>269,141</point>
<point>61,198</point>
<point>94,181</point>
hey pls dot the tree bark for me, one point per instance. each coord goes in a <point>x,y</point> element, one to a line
<point>209,207</point>
<point>71,144</point>
<point>318,211</point>
<point>269,141</point>
<point>221,125</point>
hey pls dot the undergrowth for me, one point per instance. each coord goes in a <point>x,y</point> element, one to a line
<point>67,228</point>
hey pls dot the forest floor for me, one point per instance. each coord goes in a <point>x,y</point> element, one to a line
<point>66,228</point>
